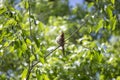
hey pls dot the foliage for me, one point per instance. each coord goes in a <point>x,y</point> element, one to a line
<point>28,33</point>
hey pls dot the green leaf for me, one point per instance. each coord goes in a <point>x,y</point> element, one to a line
<point>42,59</point>
<point>108,27</point>
<point>24,74</point>
<point>32,58</point>
<point>1,52</point>
<point>118,78</point>
<point>37,41</point>
<point>26,5</point>
<point>6,44</point>
<point>90,4</point>
<point>113,1</point>
<point>40,53</point>
<point>109,10</point>
<point>45,77</point>
<point>24,47</point>
<point>28,41</point>
<point>18,17</point>
<point>41,26</point>
<point>11,22</point>
<point>113,22</point>
<point>2,10</point>
<point>39,77</point>
<point>99,26</point>
<point>11,49</point>
<point>1,27</point>
<point>114,25</point>
<point>96,1</point>
<point>19,52</point>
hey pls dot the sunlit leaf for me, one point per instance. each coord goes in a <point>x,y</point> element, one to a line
<point>2,10</point>
<point>42,59</point>
<point>90,4</point>
<point>26,5</point>
<point>11,49</point>
<point>11,22</point>
<point>109,10</point>
<point>45,77</point>
<point>118,78</point>
<point>19,52</point>
<point>28,41</point>
<point>1,26</point>
<point>24,47</point>
<point>6,44</point>
<point>39,77</point>
<point>1,53</point>
<point>99,26</point>
<point>113,1</point>
<point>40,53</point>
<point>41,26</point>
<point>18,17</point>
<point>32,58</point>
<point>113,22</point>
<point>24,74</point>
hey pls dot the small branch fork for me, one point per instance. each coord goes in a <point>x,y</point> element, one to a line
<point>31,51</point>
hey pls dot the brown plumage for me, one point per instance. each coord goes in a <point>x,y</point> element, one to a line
<point>61,42</point>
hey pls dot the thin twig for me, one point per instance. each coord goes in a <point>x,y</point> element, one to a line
<point>51,52</point>
<point>29,18</point>
<point>29,64</point>
<point>44,57</point>
<point>75,31</point>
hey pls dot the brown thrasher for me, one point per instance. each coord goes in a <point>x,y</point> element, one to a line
<point>61,41</point>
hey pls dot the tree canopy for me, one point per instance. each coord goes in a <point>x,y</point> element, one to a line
<point>28,33</point>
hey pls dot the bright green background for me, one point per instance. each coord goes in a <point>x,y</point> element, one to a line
<point>92,53</point>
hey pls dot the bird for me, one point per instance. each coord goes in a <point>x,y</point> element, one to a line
<point>61,41</point>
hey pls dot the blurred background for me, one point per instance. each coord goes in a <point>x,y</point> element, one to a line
<point>28,32</point>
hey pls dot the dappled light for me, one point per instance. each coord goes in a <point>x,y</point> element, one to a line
<point>59,40</point>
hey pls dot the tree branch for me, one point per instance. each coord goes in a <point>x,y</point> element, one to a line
<point>29,63</point>
<point>51,52</point>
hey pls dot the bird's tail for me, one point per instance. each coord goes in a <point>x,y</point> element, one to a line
<point>63,50</point>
